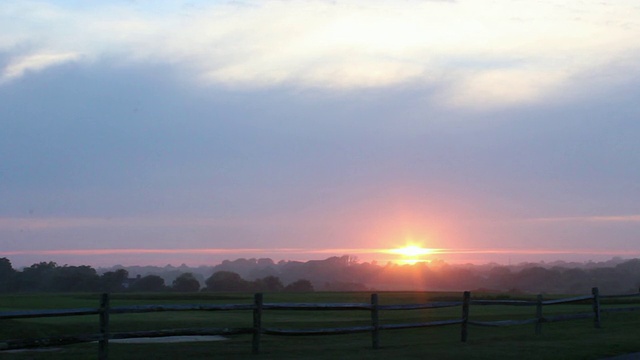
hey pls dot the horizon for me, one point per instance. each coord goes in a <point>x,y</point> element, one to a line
<point>216,256</point>
<point>170,131</point>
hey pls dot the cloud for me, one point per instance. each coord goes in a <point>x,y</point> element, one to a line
<point>491,88</point>
<point>150,222</point>
<point>235,251</point>
<point>306,251</point>
<point>50,223</point>
<point>478,54</point>
<point>36,62</point>
<point>592,219</point>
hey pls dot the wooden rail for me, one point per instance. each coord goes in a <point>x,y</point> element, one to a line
<point>104,311</point>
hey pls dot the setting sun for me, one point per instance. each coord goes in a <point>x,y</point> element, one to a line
<point>412,251</point>
<point>411,254</point>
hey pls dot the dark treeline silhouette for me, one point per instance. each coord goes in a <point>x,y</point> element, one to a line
<point>346,273</point>
<point>50,277</point>
<point>343,273</point>
<point>231,281</point>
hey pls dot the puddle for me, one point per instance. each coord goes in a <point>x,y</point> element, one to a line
<point>168,339</point>
<point>143,340</point>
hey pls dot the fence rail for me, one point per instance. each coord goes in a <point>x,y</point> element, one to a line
<point>258,307</point>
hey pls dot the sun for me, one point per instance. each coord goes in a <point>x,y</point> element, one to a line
<point>411,254</point>
<point>412,251</point>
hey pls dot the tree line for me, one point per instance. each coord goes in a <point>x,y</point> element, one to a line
<point>50,277</point>
<point>346,273</point>
<point>343,273</point>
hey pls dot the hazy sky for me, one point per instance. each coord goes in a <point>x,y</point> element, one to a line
<point>157,132</point>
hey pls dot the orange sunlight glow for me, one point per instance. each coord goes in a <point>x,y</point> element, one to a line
<point>411,254</point>
<point>412,251</point>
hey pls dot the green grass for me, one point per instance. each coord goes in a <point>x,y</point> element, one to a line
<point>576,339</point>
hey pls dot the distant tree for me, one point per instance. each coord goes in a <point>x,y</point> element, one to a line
<point>500,278</point>
<point>226,281</point>
<point>149,283</point>
<point>269,283</point>
<point>113,281</point>
<point>265,262</point>
<point>186,283</point>
<point>74,278</point>
<point>37,277</point>
<point>608,280</point>
<point>537,279</point>
<point>301,285</point>
<point>7,275</point>
<point>631,271</point>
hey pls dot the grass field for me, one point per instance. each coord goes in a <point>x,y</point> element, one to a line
<point>576,339</point>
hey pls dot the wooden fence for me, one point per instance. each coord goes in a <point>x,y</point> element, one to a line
<point>258,307</point>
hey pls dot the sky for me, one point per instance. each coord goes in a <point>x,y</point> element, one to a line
<point>170,132</point>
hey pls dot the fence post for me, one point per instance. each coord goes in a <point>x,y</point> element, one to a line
<point>375,322</point>
<point>103,344</point>
<point>596,307</point>
<point>466,300</point>
<point>539,315</point>
<point>257,322</point>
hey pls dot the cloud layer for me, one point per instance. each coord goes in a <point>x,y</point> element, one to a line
<point>467,50</point>
<point>314,124</point>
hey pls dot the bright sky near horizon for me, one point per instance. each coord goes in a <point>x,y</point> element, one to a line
<point>168,132</point>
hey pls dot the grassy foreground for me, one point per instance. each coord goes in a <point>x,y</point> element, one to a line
<point>576,339</point>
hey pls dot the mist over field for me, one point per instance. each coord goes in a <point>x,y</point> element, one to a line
<point>347,274</point>
<point>343,273</point>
